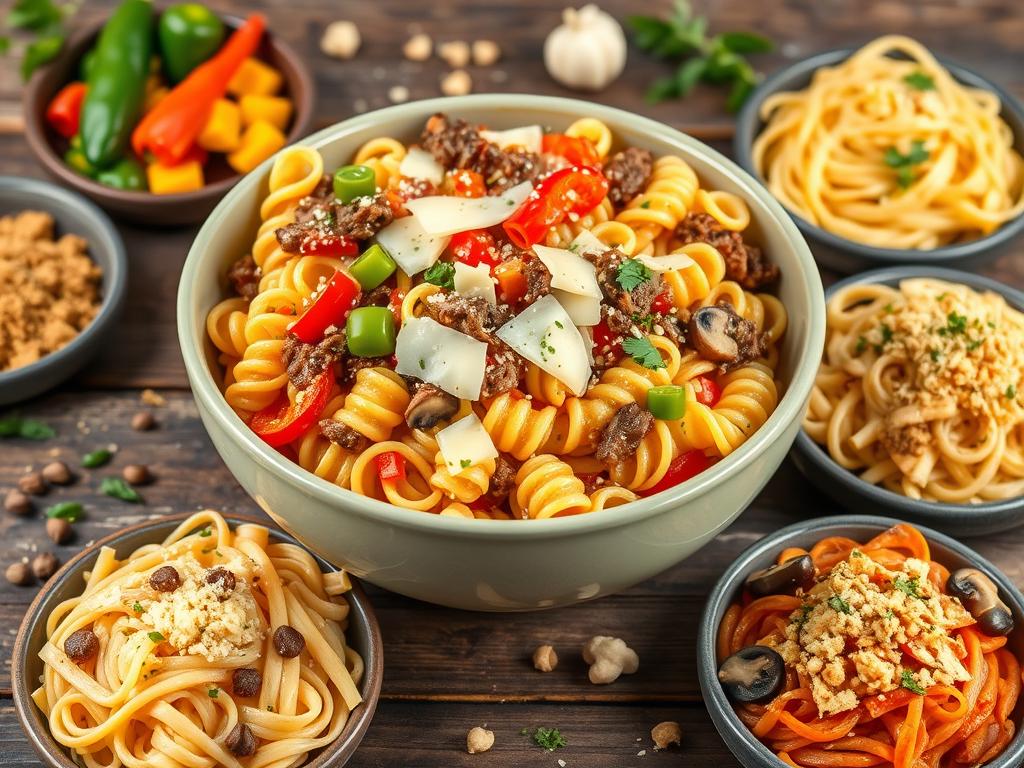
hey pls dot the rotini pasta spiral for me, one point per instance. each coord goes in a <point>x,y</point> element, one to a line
<point>384,155</point>
<point>546,487</point>
<point>465,486</point>
<point>516,427</point>
<point>663,204</point>
<point>597,132</point>
<point>375,405</point>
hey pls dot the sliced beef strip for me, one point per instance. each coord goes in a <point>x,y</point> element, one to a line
<point>378,297</point>
<point>628,173</point>
<point>363,218</point>
<point>621,437</point>
<point>306,362</point>
<point>458,145</point>
<point>471,315</point>
<point>505,370</point>
<point>325,218</point>
<point>633,302</point>
<point>504,478</point>
<point>745,264</point>
<point>245,277</point>
<point>343,435</point>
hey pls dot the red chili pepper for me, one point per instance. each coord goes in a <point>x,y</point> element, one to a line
<point>390,467</point>
<point>473,247</point>
<point>395,304</point>
<point>707,391</point>
<point>682,468</point>
<point>282,421</point>
<point>65,109</point>
<point>466,183</point>
<point>572,190</point>
<point>605,342</point>
<point>338,298</point>
<point>171,128</point>
<point>329,245</point>
<point>577,150</point>
<point>662,303</point>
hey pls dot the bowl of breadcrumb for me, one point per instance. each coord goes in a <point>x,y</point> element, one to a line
<point>63,275</point>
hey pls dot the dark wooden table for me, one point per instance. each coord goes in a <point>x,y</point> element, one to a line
<point>445,670</point>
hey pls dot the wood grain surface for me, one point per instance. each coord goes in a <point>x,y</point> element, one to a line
<point>448,670</point>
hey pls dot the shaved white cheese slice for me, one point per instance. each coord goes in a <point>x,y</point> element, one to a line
<point>544,334</point>
<point>465,444</point>
<point>420,164</point>
<point>582,310</point>
<point>588,342</point>
<point>587,242</point>
<point>442,356</point>
<point>413,249</point>
<point>443,215</point>
<point>569,272</point>
<point>528,137</point>
<point>474,281</point>
<point>665,263</point>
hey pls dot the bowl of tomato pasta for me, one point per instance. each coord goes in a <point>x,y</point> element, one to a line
<point>467,346</point>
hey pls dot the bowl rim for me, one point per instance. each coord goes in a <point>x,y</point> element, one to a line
<point>790,406</point>
<point>727,723</point>
<point>114,281</point>
<point>749,126</point>
<point>35,131</point>
<point>891,500</point>
<point>359,720</point>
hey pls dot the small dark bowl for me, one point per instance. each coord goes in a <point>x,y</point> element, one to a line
<point>750,752</point>
<point>363,635</point>
<point>859,496</point>
<point>847,256</point>
<point>76,215</point>
<point>144,207</point>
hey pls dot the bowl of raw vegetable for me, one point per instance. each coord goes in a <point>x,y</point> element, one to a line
<point>156,111</point>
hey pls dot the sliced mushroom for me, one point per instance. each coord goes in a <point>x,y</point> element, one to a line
<point>784,578</point>
<point>980,596</point>
<point>752,674</point>
<point>429,406</point>
<point>709,333</point>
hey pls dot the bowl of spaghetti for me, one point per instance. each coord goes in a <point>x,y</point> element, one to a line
<point>889,155</point>
<point>918,406</point>
<point>494,338</point>
<point>197,637</point>
<point>864,641</point>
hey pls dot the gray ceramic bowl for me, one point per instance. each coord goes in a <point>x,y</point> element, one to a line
<point>73,214</point>
<point>502,565</point>
<point>363,635</point>
<point>848,256</point>
<point>741,742</point>
<point>859,496</point>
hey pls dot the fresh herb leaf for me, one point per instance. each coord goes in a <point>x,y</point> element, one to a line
<point>906,163</point>
<point>549,738</point>
<point>1011,392</point>
<point>213,693</point>
<point>30,429</point>
<point>96,458</point>
<point>643,352</point>
<point>34,15</point>
<point>5,45</point>
<point>464,463</point>
<point>746,42</point>
<point>71,511</point>
<point>837,604</point>
<point>955,324</point>
<point>909,681</point>
<point>645,321</point>
<point>41,51</point>
<point>919,81</point>
<point>441,274</point>
<point>137,607</point>
<point>632,273</point>
<point>119,489</point>
<point>205,533</point>
<point>805,613</point>
<point>886,332</point>
<point>523,731</point>
<point>156,637</point>
<point>935,354</point>
<point>862,344</point>
<point>909,587</point>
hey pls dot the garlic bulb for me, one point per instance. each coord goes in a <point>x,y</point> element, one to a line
<point>588,51</point>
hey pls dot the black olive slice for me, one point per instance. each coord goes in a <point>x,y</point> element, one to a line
<point>782,579</point>
<point>752,674</point>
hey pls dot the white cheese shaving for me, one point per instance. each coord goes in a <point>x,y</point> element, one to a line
<point>583,310</point>
<point>569,272</point>
<point>474,281</point>
<point>665,263</point>
<point>412,249</point>
<point>443,215</point>
<point>587,242</point>
<point>528,137</point>
<point>465,444</point>
<point>420,164</point>
<point>441,356</point>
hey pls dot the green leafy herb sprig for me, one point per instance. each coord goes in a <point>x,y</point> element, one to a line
<point>718,60</point>
<point>45,23</point>
<point>906,164</point>
<point>13,425</point>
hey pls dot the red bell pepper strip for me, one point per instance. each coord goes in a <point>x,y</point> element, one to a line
<point>576,149</point>
<point>682,468</point>
<point>329,245</point>
<point>336,300</point>
<point>282,421</point>
<point>171,128</point>
<point>66,108</point>
<point>662,303</point>
<point>707,391</point>
<point>606,343</point>
<point>474,247</point>
<point>572,190</point>
<point>395,299</point>
<point>390,467</point>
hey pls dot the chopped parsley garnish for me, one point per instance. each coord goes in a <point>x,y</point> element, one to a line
<point>856,553</point>
<point>558,324</point>
<point>30,429</point>
<point>909,681</point>
<point>862,344</point>
<point>955,324</point>
<point>837,604</point>
<point>213,693</point>
<point>1011,392</point>
<point>909,587</point>
<point>631,274</point>
<point>935,354</point>
<point>889,614</point>
<point>137,607</point>
<point>643,321</point>
<point>549,738</point>
<point>645,204</point>
<point>423,364</point>
<point>465,463</point>
<point>905,163</point>
<point>207,550</point>
<point>886,332</point>
<point>919,81</point>
<point>973,344</point>
<point>805,613</point>
<point>156,637</point>
<point>643,352</point>
<point>441,274</point>
<point>205,533</point>
<point>888,308</point>
<point>545,346</point>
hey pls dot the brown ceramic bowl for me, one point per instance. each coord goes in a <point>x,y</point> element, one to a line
<point>363,635</point>
<point>143,207</point>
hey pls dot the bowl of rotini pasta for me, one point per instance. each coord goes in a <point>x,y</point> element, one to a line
<point>918,405</point>
<point>501,352</point>
<point>889,155</point>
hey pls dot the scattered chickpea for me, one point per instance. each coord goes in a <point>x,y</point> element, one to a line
<point>456,53</point>
<point>545,659</point>
<point>44,565</point>
<point>457,83</point>
<point>485,52</point>
<point>608,658</point>
<point>341,39</point>
<point>32,484</point>
<point>479,740</point>
<point>17,503</point>
<point>57,472</point>
<point>418,47</point>
<point>19,573</point>
<point>136,474</point>
<point>143,421</point>
<point>665,734</point>
<point>398,94</point>
<point>58,529</point>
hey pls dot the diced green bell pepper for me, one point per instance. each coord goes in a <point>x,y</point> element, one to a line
<point>352,181</point>
<point>370,332</point>
<point>373,267</point>
<point>125,174</point>
<point>667,402</point>
<point>189,34</point>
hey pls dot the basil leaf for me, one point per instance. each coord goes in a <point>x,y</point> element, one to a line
<point>33,14</point>
<point>30,429</point>
<point>441,274</point>
<point>738,95</point>
<point>96,458</point>
<point>119,489</point>
<point>746,42</point>
<point>663,88</point>
<point>39,52</point>
<point>71,511</point>
<point>689,74</point>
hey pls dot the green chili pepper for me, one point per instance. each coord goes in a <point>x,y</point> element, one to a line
<point>352,181</point>
<point>189,34</point>
<point>76,160</point>
<point>96,458</point>
<point>126,174</point>
<point>373,267</point>
<point>667,402</point>
<point>86,64</point>
<point>370,332</point>
<point>117,82</point>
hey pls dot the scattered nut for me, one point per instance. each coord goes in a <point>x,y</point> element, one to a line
<point>19,573</point>
<point>223,579</point>
<point>418,47</point>
<point>136,474</point>
<point>288,641</point>
<point>57,472</point>
<point>455,53</point>
<point>44,565</point>
<point>58,529</point>
<point>246,682</point>
<point>143,421</point>
<point>608,658</point>
<point>32,484</point>
<point>398,93</point>
<point>165,579</point>
<point>240,741</point>
<point>479,740</point>
<point>149,397</point>
<point>545,659</point>
<point>666,733</point>
<point>81,645</point>
<point>485,52</point>
<point>17,502</point>
<point>341,39</point>
<point>457,83</point>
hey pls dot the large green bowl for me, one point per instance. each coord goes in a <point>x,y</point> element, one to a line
<point>503,565</point>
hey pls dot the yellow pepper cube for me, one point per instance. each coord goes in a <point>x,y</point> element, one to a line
<point>171,179</point>
<point>255,78</point>
<point>276,110</point>
<point>260,141</point>
<point>223,128</point>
